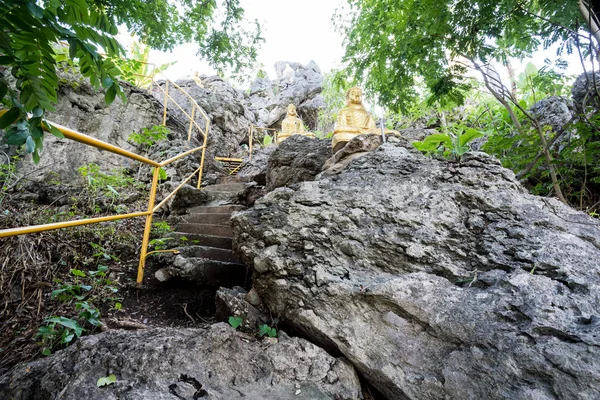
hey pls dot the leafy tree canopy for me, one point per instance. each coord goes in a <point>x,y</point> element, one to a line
<point>31,28</point>
<point>392,45</point>
<point>219,31</point>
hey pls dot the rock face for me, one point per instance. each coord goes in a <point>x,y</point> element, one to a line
<point>554,111</point>
<point>583,90</point>
<point>437,280</point>
<point>82,109</point>
<point>255,169</point>
<point>225,106</point>
<point>296,159</point>
<point>155,364</point>
<point>295,84</point>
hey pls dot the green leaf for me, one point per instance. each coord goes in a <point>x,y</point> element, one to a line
<point>17,137</point>
<point>53,130</point>
<point>438,138</point>
<point>107,82</point>
<point>469,135</point>
<point>3,89</point>
<point>46,352</point>
<point>110,95</point>
<point>107,380</point>
<point>235,322</point>
<point>162,174</point>
<point>36,157</point>
<point>35,10</point>
<point>9,117</point>
<point>67,323</point>
<point>112,189</point>
<point>38,112</point>
<point>118,306</point>
<point>78,272</point>
<point>267,330</point>
<point>29,145</point>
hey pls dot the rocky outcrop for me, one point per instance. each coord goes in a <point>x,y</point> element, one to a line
<point>553,111</point>
<point>295,84</point>
<point>255,169</point>
<point>83,109</point>
<point>437,280</point>
<point>225,106</point>
<point>212,363</point>
<point>585,90</point>
<point>296,159</point>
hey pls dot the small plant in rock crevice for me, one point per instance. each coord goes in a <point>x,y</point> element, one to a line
<point>451,144</point>
<point>235,322</point>
<point>149,136</point>
<point>266,330</point>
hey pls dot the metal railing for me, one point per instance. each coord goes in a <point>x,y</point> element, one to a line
<point>152,208</point>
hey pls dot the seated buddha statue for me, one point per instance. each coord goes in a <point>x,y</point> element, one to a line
<point>291,125</point>
<point>353,120</point>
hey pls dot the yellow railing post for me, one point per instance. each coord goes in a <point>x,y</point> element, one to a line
<point>166,101</point>
<point>140,276</point>
<point>88,140</point>
<point>250,141</point>
<point>191,123</point>
<point>203,152</point>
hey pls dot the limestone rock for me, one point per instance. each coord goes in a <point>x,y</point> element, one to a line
<point>225,106</point>
<point>295,84</point>
<point>297,159</point>
<point>583,90</point>
<point>416,134</point>
<point>232,302</point>
<point>357,147</point>
<point>83,109</point>
<point>255,169</point>
<point>554,111</point>
<point>154,364</point>
<point>437,280</point>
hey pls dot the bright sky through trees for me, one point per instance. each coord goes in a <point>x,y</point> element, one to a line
<point>298,31</point>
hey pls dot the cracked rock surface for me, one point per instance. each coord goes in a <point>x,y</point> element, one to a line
<point>171,363</point>
<point>437,280</point>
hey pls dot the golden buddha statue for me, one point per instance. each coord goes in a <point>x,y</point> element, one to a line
<point>291,125</point>
<point>353,120</point>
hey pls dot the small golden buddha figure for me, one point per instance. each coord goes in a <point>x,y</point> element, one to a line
<point>353,120</point>
<point>291,125</point>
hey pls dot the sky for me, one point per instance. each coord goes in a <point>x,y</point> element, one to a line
<point>296,31</point>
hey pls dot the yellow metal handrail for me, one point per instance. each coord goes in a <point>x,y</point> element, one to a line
<point>152,208</point>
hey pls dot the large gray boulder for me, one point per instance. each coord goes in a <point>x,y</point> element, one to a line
<point>162,364</point>
<point>295,84</point>
<point>437,280</point>
<point>296,159</point>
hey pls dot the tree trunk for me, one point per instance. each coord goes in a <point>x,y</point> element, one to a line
<point>590,16</point>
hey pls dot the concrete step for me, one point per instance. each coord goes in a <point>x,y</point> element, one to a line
<point>226,187</point>
<point>208,272</point>
<point>229,208</point>
<point>195,239</point>
<point>204,218</point>
<point>206,229</point>
<point>211,253</point>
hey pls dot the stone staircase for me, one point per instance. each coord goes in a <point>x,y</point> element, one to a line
<point>205,241</point>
